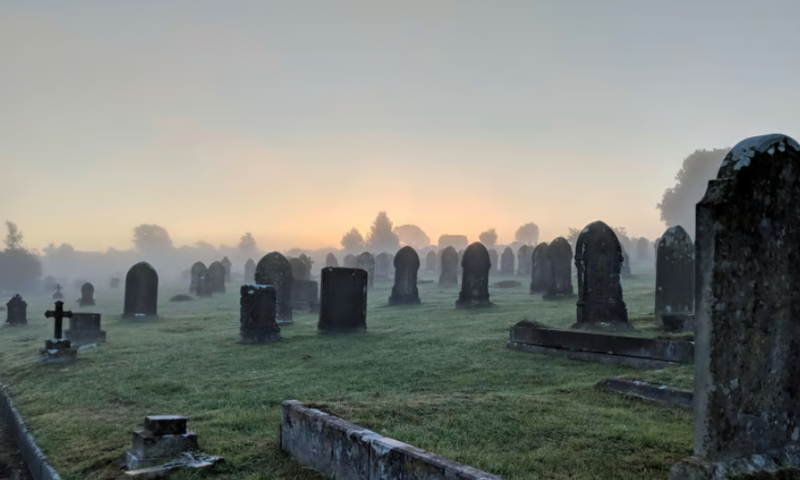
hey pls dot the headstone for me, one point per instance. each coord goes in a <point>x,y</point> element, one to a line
<point>406,266</point>
<point>141,292</point>
<point>58,295</point>
<point>58,349</point>
<point>84,329</point>
<point>494,258</point>
<point>541,270</point>
<point>626,265</point>
<point>382,267</point>
<point>274,269</point>
<point>391,266</point>
<point>227,264</point>
<point>200,283</point>
<point>747,316</point>
<point>642,250</point>
<point>507,262</point>
<point>430,262</point>
<point>305,294</point>
<point>674,274</point>
<point>301,270</point>
<point>49,283</point>
<point>216,277</point>
<point>524,260</point>
<point>459,267</point>
<point>257,307</point>
<point>475,280</point>
<point>366,262</point>
<point>164,444</point>
<point>343,303</point>
<point>350,261</point>
<point>250,271</point>
<point>16,311</point>
<point>331,261</point>
<point>114,283</point>
<point>449,267</point>
<point>598,258</point>
<point>87,295</point>
<point>559,256</point>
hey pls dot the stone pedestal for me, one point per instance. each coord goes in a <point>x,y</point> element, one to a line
<point>58,351</point>
<point>84,329</point>
<point>163,438</point>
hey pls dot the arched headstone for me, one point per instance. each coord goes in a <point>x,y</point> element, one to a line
<point>475,279</point>
<point>674,274</point>
<point>626,265</point>
<point>141,292</point>
<point>366,262</point>
<point>273,269</point>
<point>449,267</point>
<point>406,266</point>
<point>494,258</point>
<point>459,268</point>
<point>202,280</point>
<point>524,260</point>
<point>430,262</point>
<point>559,256</point>
<point>16,311</point>
<point>227,264</point>
<point>642,250</point>
<point>507,262</point>
<point>541,270</point>
<point>250,271</point>
<point>198,268</point>
<point>216,277</point>
<point>350,261</point>
<point>382,266</point>
<point>87,295</point>
<point>331,261</point>
<point>343,302</point>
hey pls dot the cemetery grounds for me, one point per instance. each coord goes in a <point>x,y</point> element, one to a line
<point>432,376</point>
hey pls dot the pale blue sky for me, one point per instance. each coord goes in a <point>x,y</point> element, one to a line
<point>299,119</point>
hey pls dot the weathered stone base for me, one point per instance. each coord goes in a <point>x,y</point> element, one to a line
<point>193,460</point>
<point>259,337</point>
<point>648,391</point>
<point>342,450</point>
<point>508,284</point>
<point>604,326</point>
<point>473,304</point>
<point>338,330</point>
<point>678,322</point>
<point>591,357</point>
<point>781,464</point>
<point>403,300</point>
<point>58,351</point>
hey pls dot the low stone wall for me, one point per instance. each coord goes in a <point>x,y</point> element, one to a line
<point>648,391</point>
<point>33,456</point>
<point>344,451</point>
<point>601,348</point>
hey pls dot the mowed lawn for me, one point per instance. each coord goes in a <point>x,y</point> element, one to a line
<point>435,377</point>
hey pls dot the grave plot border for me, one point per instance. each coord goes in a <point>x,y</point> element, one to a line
<point>665,394</point>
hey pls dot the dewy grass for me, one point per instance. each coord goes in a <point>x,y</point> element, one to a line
<point>432,376</point>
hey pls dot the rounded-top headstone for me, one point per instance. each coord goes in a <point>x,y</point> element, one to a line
<point>16,311</point>
<point>350,261</point>
<point>448,274</point>
<point>87,295</point>
<point>249,271</point>
<point>507,262</point>
<point>216,275</point>
<point>331,261</point>
<point>141,292</point>
<point>406,266</point>
<point>541,269</point>
<point>274,269</point>
<point>559,256</point>
<point>431,261</point>
<point>524,260</point>
<point>475,278</point>
<point>674,274</point>
<point>366,262</point>
<point>198,269</point>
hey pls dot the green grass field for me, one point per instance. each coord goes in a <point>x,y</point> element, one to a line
<point>437,378</point>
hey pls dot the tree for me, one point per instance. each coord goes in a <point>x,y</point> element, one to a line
<point>381,237</point>
<point>412,235</point>
<point>352,240</point>
<point>528,233</point>
<point>14,237</point>
<point>678,203</point>
<point>151,239</point>
<point>489,237</point>
<point>572,236</point>
<point>247,244</point>
<point>19,267</point>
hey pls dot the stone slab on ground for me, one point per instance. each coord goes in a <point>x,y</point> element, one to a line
<point>649,391</point>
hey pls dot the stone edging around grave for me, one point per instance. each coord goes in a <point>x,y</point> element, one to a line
<point>656,393</point>
<point>339,449</point>
<point>37,462</point>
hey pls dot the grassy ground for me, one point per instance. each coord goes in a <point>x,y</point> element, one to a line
<point>431,376</point>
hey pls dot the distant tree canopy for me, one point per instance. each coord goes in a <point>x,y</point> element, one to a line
<point>677,206</point>
<point>572,236</point>
<point>489,237</point>
<point>19,267</point>
<point>151,239</point>
<point>247,244</point>
<point>412,235</point>
<point>456,241</point>
<point>381,238</point>
<point>528,233</point>
<point>352,240</point>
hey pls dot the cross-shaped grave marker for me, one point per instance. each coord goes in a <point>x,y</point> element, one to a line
<point>59,314</point>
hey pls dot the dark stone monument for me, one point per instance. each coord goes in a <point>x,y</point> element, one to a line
<point>16,311</point>
<point>58,295</point>
<point>141,292</point>
<point>227,264</point>
<point>343,303</point>
<point>164,445</point>
<point>274,269</point>
<point>305,294</point>
<point>626,265</point>
<point>58,349</point>
<point>459,268</point>
<point>350,261</point>
<point>84,329</point>
<point>216,277</point>
<point>114,283</point>
<point>87,295</point>
<point>598,259</point>
<point>475,279</point>
<point>431,260</point>
<point>642,250</point>
<point>507,262</point>
<point>257,309</point>
<point>524,260</point>
<point>449,273</point>
<point>366,262</point>
<point>49,283</point>
<point>382,267</point>
<point>331,261</point>
<point>301,269</point>
<point>747,317</point>
<point>559,256</point>
<point>250,271</point>
<point>674,274</point>
<point>201,281</point>
<point>197,269</point>
<point>541,269</point>
<point>406,266</point>
<point>494,258</point>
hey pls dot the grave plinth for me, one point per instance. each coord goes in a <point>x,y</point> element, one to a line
<point>84,329</point>
<point>58,350</point>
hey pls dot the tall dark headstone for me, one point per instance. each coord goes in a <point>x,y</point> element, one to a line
<point>475,279</point>
<point>642,250</point>
<point>87,295</point>
<point>273,269</point>
<point>257,307</point>
<point>494,258</point>
<point>227,264</point>
<point>430,262</point>
<point>747,316</point>
<point>406,266</point>
<point>524,260</point>
<point>625,270</point>
<point>216,277</point>
<point>200,281</point>
<point>16,311</point>
<point>195,271</point>
<point>350,261</point>
<point>366,262</point>
<point>541,269</point>
<point>343,302</point>
<point>559,256</point>
<point>331,261</point>
<point>301,270</point>
<point>674,274</point>
<point>141,292</point>
<point>449,267</point>
<point>58,295</point>
<point>382,266</point>
<point>250,271</point>
<point>507,262</point>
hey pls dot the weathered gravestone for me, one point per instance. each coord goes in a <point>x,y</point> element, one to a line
<point>642,250</point>
<point>366,262</point>
<point>747,317</point>
<point>114,283</point>
<point>250,271</point>
<point>507,262</point>
<point>475,280</point>
<point>200,281</point>
<point>301,270</point>
<point>227,264</point>
<point>524,260</point>
<point>431,260</point>
<point>449,267</point>
<point>216,277</point>
<point>58,349</point>
<point>541,270</point>
<point>273,269</point>
<point>331,261</point>
<point>16,311</point>
<point>625,270</point>
<point>257,308</point>
<point>84,329</point>
<point>493,257</point>
<point>559,256</point>
<point>87,295</point>
<point>459,268</point>
<point>350,261</point>
<point>58,295</point>
<point>391,266</point>
<point>382,266</point>
<point>305,294</point>
<point>406,266</point>
<point>674,274</point>
<point>49,283</point>
<point>598,258</point>
<point>343,303</point>
<point>141,292</point>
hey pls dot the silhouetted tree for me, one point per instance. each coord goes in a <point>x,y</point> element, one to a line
<point>412,235</point>
<point>489,237</point>
<point>247,244</point>
<point>151,239</point>
<point>381,238</point>
<point>528,233</point>
<point>19,267</point>
<point>572,236</point>
<point>352,240</point>
<point>678,203</point>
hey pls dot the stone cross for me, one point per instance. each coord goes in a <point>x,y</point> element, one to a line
<point>59,315</point>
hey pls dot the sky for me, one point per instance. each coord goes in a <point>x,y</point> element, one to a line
<point>297,120</point>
